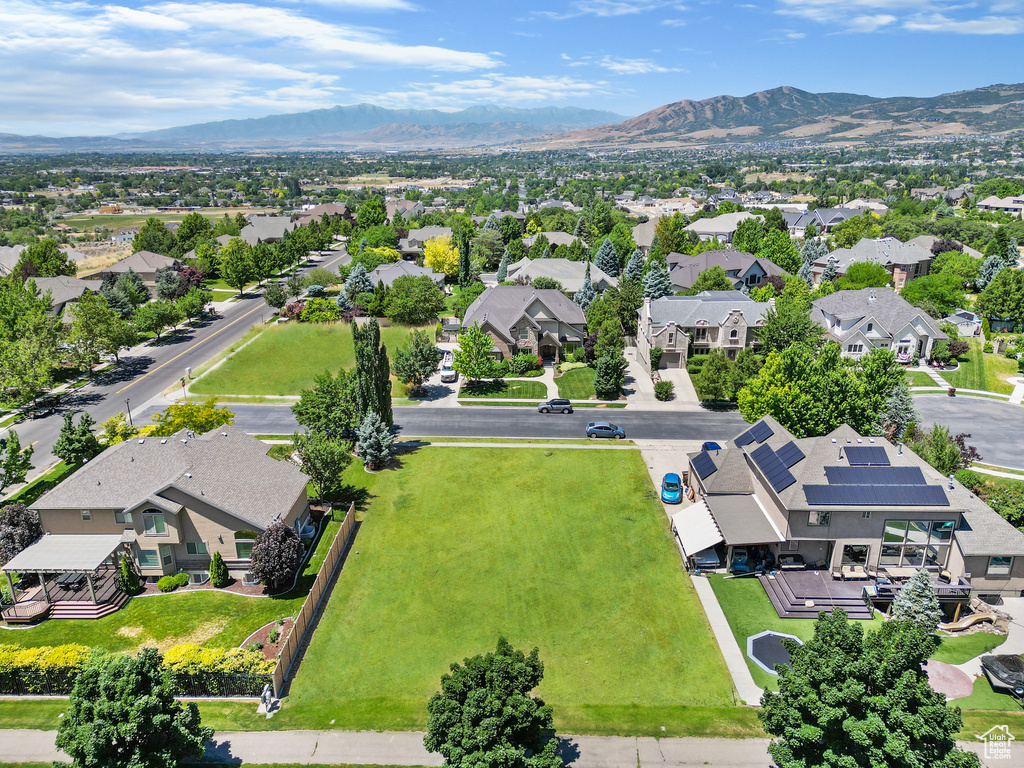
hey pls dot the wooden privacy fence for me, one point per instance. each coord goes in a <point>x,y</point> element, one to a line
<point>304,623</point>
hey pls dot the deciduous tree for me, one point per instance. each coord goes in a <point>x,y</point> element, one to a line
<point>197,417</point>
<point>474,357</point>
<point>15,461</point>
<point>415,362</point>
<point>414,300</point>
<point>276,554</point>
<point>712,279</point>
<point>714,382</point>
<point>76,443</point>
<point>156,316</point>
<point>328,407</point>
<point>236,265</point>
<point>155,238</point>
<point>19,527</point>
<point>441,256</point>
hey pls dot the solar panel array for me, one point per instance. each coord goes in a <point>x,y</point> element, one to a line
<point>704,465</point>
<point>875,475</point>
<point>876,495</point>
<point>775,472</point>
<point>756,434</point>
<point>866,456</point>
<point>790,454</point>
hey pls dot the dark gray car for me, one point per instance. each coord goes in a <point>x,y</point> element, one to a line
<point>556,405</point>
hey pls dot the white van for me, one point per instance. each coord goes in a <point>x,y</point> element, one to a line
<point>448,374</point>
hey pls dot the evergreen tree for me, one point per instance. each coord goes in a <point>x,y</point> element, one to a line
<point>371,377</point>
<point>76,444</point>
<point>343,303</point>
<point>502,274</point>
<point>358,281</point>
<point>1012,258</point>
<point>898,413</point>
<point>491,225</point>
<point>128,579</point>
<point>219,576</point>
<point>547,252</point>
<point>831,270</point>
<point>634,266</point>
<point>586,294</point>
<point>606,259</point>
<point>375,443</point>
<point>654,252</point>
<point>580,230</point>
<point>609,376</point>
<point>657,283</point>
<point>465,270</point>
<point>916,602</point>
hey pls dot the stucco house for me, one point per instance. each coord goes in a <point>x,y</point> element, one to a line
<point>847,517</point>
<point>542,321</point>
<point>176,500</point>
<point>740,267</point>
<point>569,273</point>
<point>877,317</point>
<point>684,326</point>
<point>145,263</point>
<point>904,261</point>
<point>823,219</point>
<point>719,227</point>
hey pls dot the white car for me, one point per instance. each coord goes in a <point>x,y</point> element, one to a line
<point>448,374</point>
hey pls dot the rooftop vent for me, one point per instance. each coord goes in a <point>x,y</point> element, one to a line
<point>899,446</point>
<point>188,475</point>
<point>164,441</point>
<point>951,482</point>
<point>184,441</point>
<point>142,440</point>
<point>223,434</point>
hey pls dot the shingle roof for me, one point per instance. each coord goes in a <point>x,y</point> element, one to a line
<point>225,468</point>
<point>63,289</point>
<point>719,225</point>
<point>388,273</point>
<point>554,238</point>
<point>927,241</point>
<point>9,256</point>
<point>884,251</point>
<point>643,234</point>
<point>266,228</point>
<point>712,307</point>
<point>143,261</point>
<point>684,269</point>
<point>426,233</point>
<point>502,306</point>
<point>888,309</point>
<point>569,273</point>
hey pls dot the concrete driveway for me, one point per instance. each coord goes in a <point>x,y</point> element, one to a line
<point>995,426</point>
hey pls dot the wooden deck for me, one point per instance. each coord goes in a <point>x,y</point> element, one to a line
<point>803,594</point>
<point>67,602</point>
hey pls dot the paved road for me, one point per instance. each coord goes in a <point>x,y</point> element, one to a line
<point>995,426</point>
<point>148,371</point>
<point>483,421</point>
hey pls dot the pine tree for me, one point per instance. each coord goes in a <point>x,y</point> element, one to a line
<point>898,413</point>
<point>358,281</point>
<point>991,267</point>
<point>654,252</point>
<point>219,576</point>
<point>491,224</point>
<point>502,274</point>
<point>606,259</point>
<point>374,441</point>
<point>465,270</point>
<point>657,283</point>
<point>831,270</point>
<point>580,229</point>
<point>371,377</point>
<point>547,252</point>
<point>634,267</point>
<point>127,580</point>
<point>1012,257</point>
<point>916,602</point>
<point>343,302</point>
<point>586,294</point>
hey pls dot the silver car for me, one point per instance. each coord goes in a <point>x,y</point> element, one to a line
<point>556,405</point>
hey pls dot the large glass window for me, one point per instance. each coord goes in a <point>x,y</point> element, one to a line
<point>123,518</point>
<point>149,558</point>
<point>243,549</point>
<point>165,554</point>
<point>819,518</point>
<point>195,547</point>
<point>155,525</point>
<point>916,542</point>
<point>999,566</point>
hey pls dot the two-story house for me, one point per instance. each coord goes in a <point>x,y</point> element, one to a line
<point>520,318</point>
<point>854,516</point>
<point>177,500</point>
<point>740,267</point>
<point>877,317</point>
<point>412,246</point>
<point>683,326</point>
<point>904,261</point>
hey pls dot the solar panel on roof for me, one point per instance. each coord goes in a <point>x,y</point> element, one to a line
<point>876,495</point>
<point>866,455</point>
<point>761,431</point>
<point>875,475</point>
<point>774,471</point>
<point>745,439</point>
<point>704,465</point>
<point>790,454</point>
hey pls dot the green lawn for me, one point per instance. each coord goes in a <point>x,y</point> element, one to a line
<point>979,370</point>
<point>920,379</point>
<point>571,553</point>
<point>284,359</point>
<point>984,697</point>
<point>577,384</point>
<point>522,390</point>
<point>957,650</point>
<point>42,484</point>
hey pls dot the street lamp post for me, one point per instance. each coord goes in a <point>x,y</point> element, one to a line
<point>129,408</point>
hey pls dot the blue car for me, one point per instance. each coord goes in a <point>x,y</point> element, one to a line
<point>709,446</point>
<point>671,488</point>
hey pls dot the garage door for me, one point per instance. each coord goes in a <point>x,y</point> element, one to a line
<point>670,360</point>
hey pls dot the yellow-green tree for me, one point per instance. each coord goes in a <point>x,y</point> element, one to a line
<point>441,256</point>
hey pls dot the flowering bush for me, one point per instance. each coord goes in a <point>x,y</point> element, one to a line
<point>294,310</point>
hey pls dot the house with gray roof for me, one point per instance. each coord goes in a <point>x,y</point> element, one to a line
<point>145,263</point>
<point>719,227</point>
<point>927,241</point>
<point>266,229</point>
<point>904,261</point>
<point>683,326</point>
<point>64,290</point>
<point>823,219</point>
<point>541,321</point>
<point>10,255</point>
<point>569,273</point>
<point>399,211</point>
<point>744,269</point>
<point>330,210</point>
<point>177,500</point>
<point>848,518</point>
<point>412,246</point>
<point>643,234</point>
<point>388,273</point>
<point>877,317</point>
<point>555,239</point>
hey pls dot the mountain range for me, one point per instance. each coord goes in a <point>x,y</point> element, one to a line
<point>778,114</point>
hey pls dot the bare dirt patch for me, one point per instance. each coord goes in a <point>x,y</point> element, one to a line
<point>130,631</point>
<point>199,635</point>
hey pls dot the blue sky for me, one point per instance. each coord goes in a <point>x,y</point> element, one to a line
<point>73,67</point>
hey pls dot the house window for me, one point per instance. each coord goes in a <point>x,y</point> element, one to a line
<point>854,347</point>
<point>916,542</point>
<point>865,515</point>
<point>870,327</point>
<point>86,515</point>
<point>671,338</point>
<point>734,335</point>
<point>195,547</point>
<point>243,549</point>
<point>819,518</point>
<point>999,566</point>
<point>155,525</point>
<point>524,334</point>
<point>123,518</point>
<point>149,558</point>
<point>701,334</point>
<point>165,554</point>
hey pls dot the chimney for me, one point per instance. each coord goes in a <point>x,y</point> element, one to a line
<point>951,482</point>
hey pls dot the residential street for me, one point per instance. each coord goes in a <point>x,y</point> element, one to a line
<point>995,426</point>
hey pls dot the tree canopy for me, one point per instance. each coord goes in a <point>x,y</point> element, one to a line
<point>200,417</point>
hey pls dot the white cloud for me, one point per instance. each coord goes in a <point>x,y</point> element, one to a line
<point>130,17</point>
<point>987,25</point>
<point>610,8</point>
<point>673,22</point>
<point>943,16</point>
<point>632,66</point>
<point>869,23</point>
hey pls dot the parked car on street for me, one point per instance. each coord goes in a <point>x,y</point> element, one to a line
<point>604,429</point>
<point>671,488</point>
<point>555,405</point>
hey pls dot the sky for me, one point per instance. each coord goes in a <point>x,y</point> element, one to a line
<point>86,67</point>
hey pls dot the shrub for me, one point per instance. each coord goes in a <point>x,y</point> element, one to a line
<point>320,311</point>
<point>522,363</point>
<point>987,347</point>
<point>656,354</point>
<point>315,291</point>
<point>219,576</point>
<point>274,635</point>
<point>694,364</point>
<point>293,310</point>
<point>563,367</point>
<point>181,579</point>
<point>663,390</point>
<point>324,277</point>
<point>578,355</point>
<point>1012,354</point>
<point>167,584</point>
<point>46,669</point>
<point>1020,365</point>
<point>969,479</point>
<point>192,659</point>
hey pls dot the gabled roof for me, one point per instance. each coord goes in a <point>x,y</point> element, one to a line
<point>388,273</point>
<point>9,256</point>
<point>643,234</point>
<point>927,241</point>
<point>719,225</point>
<point>819,217</point>
<point>426,233</point>
<point>888,309</point>
<point>225,468</point>
<point>554,238</point>
<point>503,306</point>
<point>885,251</point>
<point>63,289</point>
<point>569,273</point>
<point>143,261</point>
<point>711,307</point>
<point>683,270</point>
<point>266,228</point>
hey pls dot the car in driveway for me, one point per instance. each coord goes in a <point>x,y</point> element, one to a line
<point>671,488</point>
<point>448,374</point>
<point>555,405</point>
<point>604,429</point>
<point>710,446</point>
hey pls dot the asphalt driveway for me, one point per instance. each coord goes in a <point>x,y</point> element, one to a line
<point>996,427</point>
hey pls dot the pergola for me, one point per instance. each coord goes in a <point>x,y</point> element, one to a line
<point>64,553</point>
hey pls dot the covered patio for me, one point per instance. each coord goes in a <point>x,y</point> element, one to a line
<point>77,578</point>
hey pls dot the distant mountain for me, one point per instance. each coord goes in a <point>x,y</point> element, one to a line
<point>790,113</point>
<point>334,125</point>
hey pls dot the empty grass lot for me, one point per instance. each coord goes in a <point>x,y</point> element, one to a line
<point>570,552</point>
<point>979,370</point>
<point>525,390</point>
<point>577,384</point>
<point>284,359</point>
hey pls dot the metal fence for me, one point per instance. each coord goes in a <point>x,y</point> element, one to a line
<point>305,621</point>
